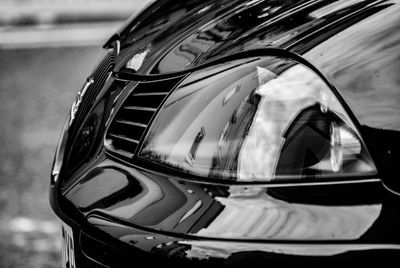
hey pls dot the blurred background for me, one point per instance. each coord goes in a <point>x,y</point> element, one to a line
<point>47,49</point>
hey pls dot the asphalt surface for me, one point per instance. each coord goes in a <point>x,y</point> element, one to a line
<point>67,35</point>
<point>43,23</point>
<point>47,49</point>
<point>37,87</point>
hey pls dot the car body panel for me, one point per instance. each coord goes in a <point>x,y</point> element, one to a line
<point>309,28</point>
<point>251,212</point>
<point>174,217</point>
<point>124,205</point>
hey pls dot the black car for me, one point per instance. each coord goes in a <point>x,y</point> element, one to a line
<point>237,133</point>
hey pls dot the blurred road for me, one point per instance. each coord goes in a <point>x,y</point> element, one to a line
<point>47,49</point>
<point>49,23</point>
<point>36,89</point>
<point>82,34</point>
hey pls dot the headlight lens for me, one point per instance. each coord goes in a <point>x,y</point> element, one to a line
<point>256,120</point>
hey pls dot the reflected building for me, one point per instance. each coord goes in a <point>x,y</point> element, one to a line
<point>140,198</point>
<point>225,163</point>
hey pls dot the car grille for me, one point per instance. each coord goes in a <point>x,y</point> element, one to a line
<point>136,114</point>
<point>99,77</point>
<point>84,120</point>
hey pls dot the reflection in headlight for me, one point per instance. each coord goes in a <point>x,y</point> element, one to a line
<point>282,99</point>
<point>263,120</point>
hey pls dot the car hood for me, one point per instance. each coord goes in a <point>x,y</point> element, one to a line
<point>355,43</point>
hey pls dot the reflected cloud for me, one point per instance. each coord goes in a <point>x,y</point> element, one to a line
<point>363,60</point>
<point>281,100</point>
<point>207,249</point>
<point>137,60</point>
<point>255,214</point>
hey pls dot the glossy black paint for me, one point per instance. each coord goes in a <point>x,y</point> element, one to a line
<point>352,32</point>
<point>123,209</point>
<point>210,123</point>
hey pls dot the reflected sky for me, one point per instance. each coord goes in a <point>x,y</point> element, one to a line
<point>364,63</point>
<point>252,213</point>
<point>281,100</point>
<point>220,249</point>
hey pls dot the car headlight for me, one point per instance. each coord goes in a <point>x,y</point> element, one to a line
<point>254,119</point>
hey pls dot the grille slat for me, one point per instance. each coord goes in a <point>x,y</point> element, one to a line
<point>140,116</point>
<point>124,138</point>
<point>131,131</point>
<point>132,120</point>
<point>131,123</point>
<point>140,108</point>
<point>150,94</point>
<point>145,101</point>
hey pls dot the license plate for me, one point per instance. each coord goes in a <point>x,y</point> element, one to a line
<point>67,248</point>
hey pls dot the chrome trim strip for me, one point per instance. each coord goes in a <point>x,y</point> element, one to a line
<point>149,94</point>
<point>123,164</point>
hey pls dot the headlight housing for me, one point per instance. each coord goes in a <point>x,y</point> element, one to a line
<point>253,119</point>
